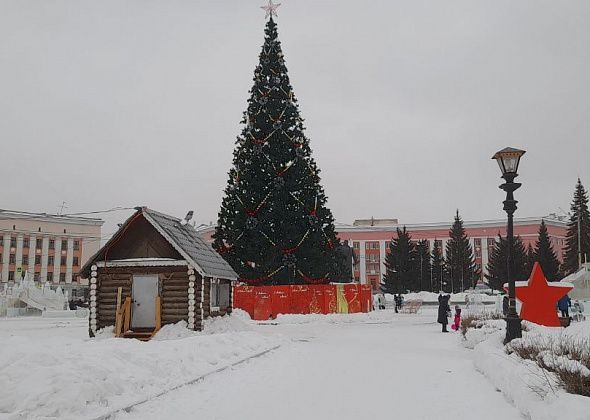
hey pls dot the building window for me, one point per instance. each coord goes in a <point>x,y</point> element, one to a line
<point>26,243</point>
<point>37,276</point>
<point>76,245</point>
<point>63,260</point>
<point>12,259</point>
<point>62,277</point>
<point>0,257</point>
<point>50,276</point>
<point>438,243</point>
<point>64,244</point>
<point>356,245</point>
<point>51,260</point>
<point>477,241</point>
<point>491,242</point>
<point>52,244</point>
<point>38,243</point>
<point>12,242</point>
<point>25,260</point>
<point>37,259</point>
<point>75,261</point>
<point>219,294</point>
<point>11,276</point>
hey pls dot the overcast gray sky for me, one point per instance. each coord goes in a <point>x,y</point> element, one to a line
<point>137,102</point>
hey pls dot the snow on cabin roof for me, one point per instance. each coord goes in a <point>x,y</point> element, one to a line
<point>190,245</point>
<point>185,239</point>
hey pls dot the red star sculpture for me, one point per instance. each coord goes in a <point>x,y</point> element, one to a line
<point>539,298</point>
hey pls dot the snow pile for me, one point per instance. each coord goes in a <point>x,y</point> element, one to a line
<point>482,331</point>
<point>430,297</point>
<point>370,317</point>
<point>226,324</point>
<point>74,378</point>
<point>215,325</point>
<point>534,391</point>
<point>174,332</point>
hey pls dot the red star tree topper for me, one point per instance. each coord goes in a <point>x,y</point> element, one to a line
<point>539,298</point>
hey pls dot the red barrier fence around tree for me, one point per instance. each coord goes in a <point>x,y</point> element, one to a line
<point>266,302</point>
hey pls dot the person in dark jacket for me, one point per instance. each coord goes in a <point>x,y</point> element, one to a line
<point>443,311</point>
<point>564,305</point>
<point>505,305</point>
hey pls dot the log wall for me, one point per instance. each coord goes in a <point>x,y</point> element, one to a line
<point>173,290</point>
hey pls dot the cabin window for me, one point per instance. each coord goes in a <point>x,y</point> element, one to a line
<point>219,294</point>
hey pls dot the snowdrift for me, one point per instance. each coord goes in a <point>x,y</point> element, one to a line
<point>83,379</point>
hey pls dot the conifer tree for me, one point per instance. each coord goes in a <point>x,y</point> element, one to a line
<point>497,266</point>
<point>579,221</point>
<point>530,259</point>
<point>461,267</point>
<point>438,268</point>
<point>545,255</point>
<point>423,266</point>
<point>274,226</point>
<point>400,264</point>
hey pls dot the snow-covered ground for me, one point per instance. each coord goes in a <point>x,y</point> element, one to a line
<point>379,365</point>
<point>50,369</point>
<point>361,366</point>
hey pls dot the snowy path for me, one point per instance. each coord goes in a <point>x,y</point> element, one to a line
<point>403,365</point>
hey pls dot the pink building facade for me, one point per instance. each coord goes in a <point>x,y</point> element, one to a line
<point>370,240</point>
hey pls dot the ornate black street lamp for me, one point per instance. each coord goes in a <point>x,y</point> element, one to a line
<point>508,160</point>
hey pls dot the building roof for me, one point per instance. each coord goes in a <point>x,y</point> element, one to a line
<point>185,239</point>
<point>54,218</point>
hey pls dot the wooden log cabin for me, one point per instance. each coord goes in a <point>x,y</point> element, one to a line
<point>154,271</point>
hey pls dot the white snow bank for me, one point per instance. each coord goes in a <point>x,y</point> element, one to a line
<point>67,378</point>
<point>532,390</point>
<point>375,316</point>
<point>215,325</point>
<point>430,297</point>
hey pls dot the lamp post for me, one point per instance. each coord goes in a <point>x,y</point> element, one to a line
<point>508,160</point>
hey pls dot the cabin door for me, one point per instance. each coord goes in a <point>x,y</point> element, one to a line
<point>145,291</point>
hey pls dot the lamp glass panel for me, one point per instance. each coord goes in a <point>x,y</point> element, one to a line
<point>510,163</point>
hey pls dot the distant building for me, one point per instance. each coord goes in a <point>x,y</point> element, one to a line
<point>370,240</point>
<point>52,248</point>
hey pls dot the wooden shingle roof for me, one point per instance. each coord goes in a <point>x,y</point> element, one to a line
<point>186,240</point>
<point>182,237</point>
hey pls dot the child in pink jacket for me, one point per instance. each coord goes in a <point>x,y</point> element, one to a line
<point>457,321</point>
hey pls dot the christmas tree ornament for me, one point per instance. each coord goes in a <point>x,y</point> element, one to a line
<point>289,261</point>
<point>251,223</point>
<point>270,9</point>
<point>279,182</point>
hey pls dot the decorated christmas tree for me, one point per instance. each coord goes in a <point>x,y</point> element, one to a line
<point>274,226</point>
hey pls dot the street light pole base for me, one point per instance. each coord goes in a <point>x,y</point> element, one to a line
<point>513,328</point>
